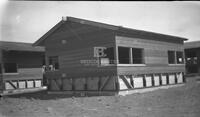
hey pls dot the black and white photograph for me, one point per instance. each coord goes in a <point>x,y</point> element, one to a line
<point>99,58</point>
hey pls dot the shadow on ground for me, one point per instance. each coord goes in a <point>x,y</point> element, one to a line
<point>42,95</point>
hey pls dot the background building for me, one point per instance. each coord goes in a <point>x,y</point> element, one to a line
<point>20,66</point>
<point>192,56</point>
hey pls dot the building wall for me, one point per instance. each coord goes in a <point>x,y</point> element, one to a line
<point>155,56</point>
<point>25,74</point>
<point>29,64</point>
<point>24,59</point>
<point>73,43</point>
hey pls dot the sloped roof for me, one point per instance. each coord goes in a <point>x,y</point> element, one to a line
<point>139,33</point>
<point>19,46</point>
<point>192,44</point>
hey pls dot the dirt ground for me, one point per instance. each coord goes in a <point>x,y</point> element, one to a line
<point>181,101</point>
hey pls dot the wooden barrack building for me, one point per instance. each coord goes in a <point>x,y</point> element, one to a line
<point>96,58</point>
<point>20,66</point>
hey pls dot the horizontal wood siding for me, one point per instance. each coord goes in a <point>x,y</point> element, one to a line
<point>24,59</point>
<point>29,65</point>
<point>79,45</point>
<point>149,69</point>
<point>155,56</point>
<point>25,73</point>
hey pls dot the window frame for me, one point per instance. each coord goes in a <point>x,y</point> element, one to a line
<point>182,54</point>
<point>175,58</point>
<point>131,57</point>
<point>142,56</point>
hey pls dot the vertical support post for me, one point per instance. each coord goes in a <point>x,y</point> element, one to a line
<point>152,80</point>
<point>61,83</point>
<point>175,57</point>
<point>184,79</point>
<point>17,84</point>
<point>26,83</point>
<point>144,80</point>
<point>116,54</point>
<point>167,76</point>
<point>117,83</point>
<point>85,86</point>
<point>73,87</point>
<point>176,78</point>
<point>99,83</point>
<point>133,77</point>
<point>114,83</point>
<point>132,83</point>
<point>160,79</point>
<point>34,83</point>
<point>130,56</point>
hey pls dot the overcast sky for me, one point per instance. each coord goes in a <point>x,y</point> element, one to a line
<point>26,21</point>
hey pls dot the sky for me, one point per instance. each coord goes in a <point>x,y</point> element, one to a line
<point>27,21</point>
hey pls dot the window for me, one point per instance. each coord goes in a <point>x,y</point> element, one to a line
<point>171,57</point>
<point>123,53</point>
<point>10,67</point>
<point>53,60</point>
<point>175,57</point>
<point>130,55</point>
<point>109,56</point>
<point>179,57</point>
<point>137,56</point>
<point>191,58</point>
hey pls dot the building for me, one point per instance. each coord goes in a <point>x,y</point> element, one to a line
<point>94,58</point>
<point>20,66</point>
<point>192,56</point>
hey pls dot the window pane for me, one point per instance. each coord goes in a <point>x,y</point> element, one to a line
<point>123,53</point>
<point>179,57</point>
<point>137,55</point>
<point>110,55</point>
<point>10,67</point>
<point>171,57</point>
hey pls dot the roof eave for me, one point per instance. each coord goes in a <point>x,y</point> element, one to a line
<point>41,40</point>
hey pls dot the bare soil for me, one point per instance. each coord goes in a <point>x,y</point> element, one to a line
<point>181,101</point>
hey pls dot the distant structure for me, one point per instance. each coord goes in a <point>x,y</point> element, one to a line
<point>192,56</point>
<point>20,66</point>
<point>92,58</point>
